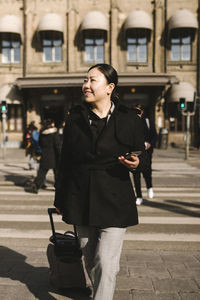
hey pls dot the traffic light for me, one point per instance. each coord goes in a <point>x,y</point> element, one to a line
<point>182,104</point>
<point>3,106</point>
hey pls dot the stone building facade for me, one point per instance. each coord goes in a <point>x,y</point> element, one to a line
<point>47,47</point>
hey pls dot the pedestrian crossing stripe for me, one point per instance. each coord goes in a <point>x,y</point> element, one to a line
<point>57,218</point>
<point>45,234</point>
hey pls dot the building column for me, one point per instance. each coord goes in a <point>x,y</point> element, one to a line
<point>113,37</point>
<point>159,28</point>
<point>71,51</point>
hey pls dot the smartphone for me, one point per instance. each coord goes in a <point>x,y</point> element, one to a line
<point>128,155</point>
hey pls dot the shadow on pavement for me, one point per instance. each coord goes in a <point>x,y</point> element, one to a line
<point>188,204</point>
<point>18,180</point>
<point>13,265</point>
<point>175,208</point>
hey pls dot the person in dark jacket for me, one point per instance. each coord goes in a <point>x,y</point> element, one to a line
<point>50,153</point>
<point>150,135</point>
<point>93,189</point>
<point>30,150</point>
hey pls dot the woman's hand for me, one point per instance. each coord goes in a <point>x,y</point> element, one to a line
<point>130,164</point>
<point>58,211</point>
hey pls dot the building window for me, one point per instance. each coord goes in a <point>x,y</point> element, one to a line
<point>177,124</point>
<point>137,45</point>
<point>14,118</point>
<point>52,46</point>
<point>181,44</point>
<point>10,48</point>
<point>94,46</point>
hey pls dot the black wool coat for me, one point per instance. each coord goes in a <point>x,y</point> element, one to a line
<point>50,144</point>
<point>93,187</point>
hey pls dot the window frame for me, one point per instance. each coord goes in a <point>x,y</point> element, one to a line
<point>51,36</point>
<point>14,114</point>
<point>10,38</point>
<point>180,32</point>
<point>137,33</point>
<point>94,35</point>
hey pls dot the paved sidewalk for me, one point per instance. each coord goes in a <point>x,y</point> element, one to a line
<point>144,275</point>
<point>18,155</point>
<point>148,272</point>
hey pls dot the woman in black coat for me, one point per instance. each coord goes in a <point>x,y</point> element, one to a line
<point>94,190</point>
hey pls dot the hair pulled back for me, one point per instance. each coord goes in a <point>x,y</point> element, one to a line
<point>111,76</point>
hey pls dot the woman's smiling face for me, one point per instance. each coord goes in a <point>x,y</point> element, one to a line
<point>95,87</point>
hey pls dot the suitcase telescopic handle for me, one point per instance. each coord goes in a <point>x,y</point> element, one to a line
<point>52,211</point>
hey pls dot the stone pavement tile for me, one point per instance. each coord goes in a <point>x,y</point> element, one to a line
<point>151,272</point>
<point>198,281</point>
<point>193,264</point>
<point>123,271</point>
<point>122,295</point>
<point>129,283</point>
<point>37,259</point>
<point>16,292</point>
<point>154,296</point>
<point>175,285</point>
<point>123,259</point>
<point>136,259</point>
<point>181,271</point>
<point>190,296</point>
<point>197,255</point>
<point>178,257</point>
<point>7,281</point>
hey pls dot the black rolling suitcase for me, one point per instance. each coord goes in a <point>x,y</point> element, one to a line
<point>65,258</point>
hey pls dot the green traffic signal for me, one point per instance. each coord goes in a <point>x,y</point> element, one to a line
<point>182,104</point>
<point>3,106</point>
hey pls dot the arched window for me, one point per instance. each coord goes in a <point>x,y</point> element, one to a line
<point>182,26</point>
<point>94,28</point>
<point>50,30</point>
<point>10,39</point>
<point>138,26</point>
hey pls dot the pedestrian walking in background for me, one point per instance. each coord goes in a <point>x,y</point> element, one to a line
<point>150,141</point>
<point>93,189</point>
<point>50,147</point>
<point>61,131</point>
<point>37,152</point>
<point>29,149</point>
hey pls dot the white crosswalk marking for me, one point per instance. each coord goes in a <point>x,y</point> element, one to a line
<point>22,211</point>
<point>173,214</point>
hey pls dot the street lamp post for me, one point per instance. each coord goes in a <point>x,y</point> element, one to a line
<point>183,107</point>
<point>4,114</point>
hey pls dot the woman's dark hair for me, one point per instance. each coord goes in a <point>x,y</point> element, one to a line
<point>110,74</point>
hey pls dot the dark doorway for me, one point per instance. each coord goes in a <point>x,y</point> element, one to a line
<point>54,112</point>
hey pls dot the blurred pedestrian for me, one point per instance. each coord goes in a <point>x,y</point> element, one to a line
<point>150,141</point>
<point>37,151</point>
<point>29,149</point>
<point>61,131</point>
<point>50,147</point>
<point>93,189</point>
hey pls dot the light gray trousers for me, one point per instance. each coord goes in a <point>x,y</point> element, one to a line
<point>102,250</point>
